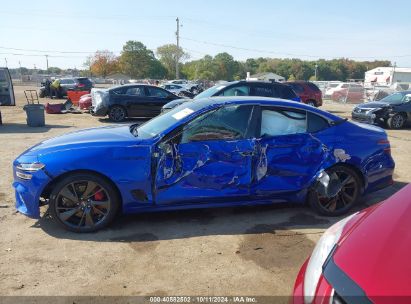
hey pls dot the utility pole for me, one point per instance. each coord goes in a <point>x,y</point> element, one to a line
<point>5,59</point>
<point>178,48</point>
<point>21,74</point>
<point>47,63</point>
<point>315,71</point>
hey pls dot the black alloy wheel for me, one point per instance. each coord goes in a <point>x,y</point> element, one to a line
<point>83,202</point>
<point>117,114</point>
<point>346,193</point>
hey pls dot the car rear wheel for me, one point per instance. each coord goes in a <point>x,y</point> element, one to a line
<point>342,99</point>
<point>396,122</point>
<point>344,190</point>
<point>83,202</point>
<point>312,103</point>
<point>117,113</point>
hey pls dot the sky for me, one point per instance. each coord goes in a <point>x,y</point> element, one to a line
<point>69,31</point>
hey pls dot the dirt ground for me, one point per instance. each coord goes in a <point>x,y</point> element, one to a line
<point>234,251</point>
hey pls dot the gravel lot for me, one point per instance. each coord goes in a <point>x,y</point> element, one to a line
<point>231,251</point>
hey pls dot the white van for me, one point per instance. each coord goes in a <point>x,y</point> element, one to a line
<point>6,88</point>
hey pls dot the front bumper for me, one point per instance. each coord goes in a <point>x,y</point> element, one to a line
<point>364,118</point>
<point>28,192</point>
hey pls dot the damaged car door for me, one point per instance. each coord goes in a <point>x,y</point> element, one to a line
<point>288,156</point>
<point>209,159</point>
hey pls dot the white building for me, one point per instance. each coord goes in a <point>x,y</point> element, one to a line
<point>267,77</point>
<point>387,75</point>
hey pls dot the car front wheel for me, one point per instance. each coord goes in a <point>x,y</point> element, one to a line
<point>342,192</point>
<point>83,202</point>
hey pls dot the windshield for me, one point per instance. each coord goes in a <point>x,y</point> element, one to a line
<point>396,98</point>
<point>211,91</point>
<point>159,124</point>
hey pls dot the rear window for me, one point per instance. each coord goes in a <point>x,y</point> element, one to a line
<point>313,86</point>
<point>84,80</point>
<point>296,87</point>
<point>316,123</point>
<point>286,92</point>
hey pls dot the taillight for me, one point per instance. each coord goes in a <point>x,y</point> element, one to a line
<point>81,85</point>
<point>385,142</point>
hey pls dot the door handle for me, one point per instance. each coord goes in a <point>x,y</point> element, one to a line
<point>246,153</point>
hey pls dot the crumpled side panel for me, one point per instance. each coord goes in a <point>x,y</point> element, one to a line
<point>288,164</point>
<point>203,170</point>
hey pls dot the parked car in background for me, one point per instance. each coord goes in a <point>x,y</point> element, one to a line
<point>363,258</point>
<point>188,85</point>
<point>85,102</point>
<point>330,87</point>
<point>212,152</point>
<point>242,88</point>
<point>308,92</point>
<point>72,83</point>
<point>132,100</point>
<point>178,90</point>
<point>348,92</point>
<point>393,111</point>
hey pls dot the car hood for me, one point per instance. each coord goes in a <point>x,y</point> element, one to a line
<point>375,253</point>
<point>373,105</point>
<point>102,136</point>
<point>175,102</point>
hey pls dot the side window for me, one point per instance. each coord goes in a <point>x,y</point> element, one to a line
<point>156,92</point>
<point>277,122</point>
<point>316,123</point>
<point>344,86</point>
<point>286,92</point>
<point>227,123</point>
<point>64,81</point>
<point>242,90</point>
<point>135,91</point>
<point>297,87</point>
<point>264,91</point>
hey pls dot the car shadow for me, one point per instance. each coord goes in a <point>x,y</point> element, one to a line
<point>24,128</point>
<point>273,219</point>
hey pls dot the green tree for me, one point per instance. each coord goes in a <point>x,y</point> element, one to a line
<point>169,54</point>
<point>137,61</point>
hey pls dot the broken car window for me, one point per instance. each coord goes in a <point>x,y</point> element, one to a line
<point>228,123</point>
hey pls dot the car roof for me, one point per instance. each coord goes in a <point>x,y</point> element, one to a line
<point>133,85</point>
<point>218,101</point>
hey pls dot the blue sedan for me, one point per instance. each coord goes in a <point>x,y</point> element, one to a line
<point>213,152</point>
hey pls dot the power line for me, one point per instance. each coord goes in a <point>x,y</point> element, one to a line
<point>47,51</point>
<point>283,53</point>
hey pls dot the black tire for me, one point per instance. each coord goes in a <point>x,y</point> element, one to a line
<point>342,99</point>
<point>76,213</point>
<point>117,113</point>
<point>397,121</point>
<point>312,103</point>
<point>347,197</point>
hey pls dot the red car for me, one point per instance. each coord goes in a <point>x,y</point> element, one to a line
<point>85,102</point>
<point>364,258</point>
<point>308,92</point>
<point>348,92</point>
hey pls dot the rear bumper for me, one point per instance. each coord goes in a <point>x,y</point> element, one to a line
<point>98,111</point>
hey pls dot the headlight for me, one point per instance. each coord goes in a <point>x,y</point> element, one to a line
<point>31,167</point>
<point>319,255</point>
